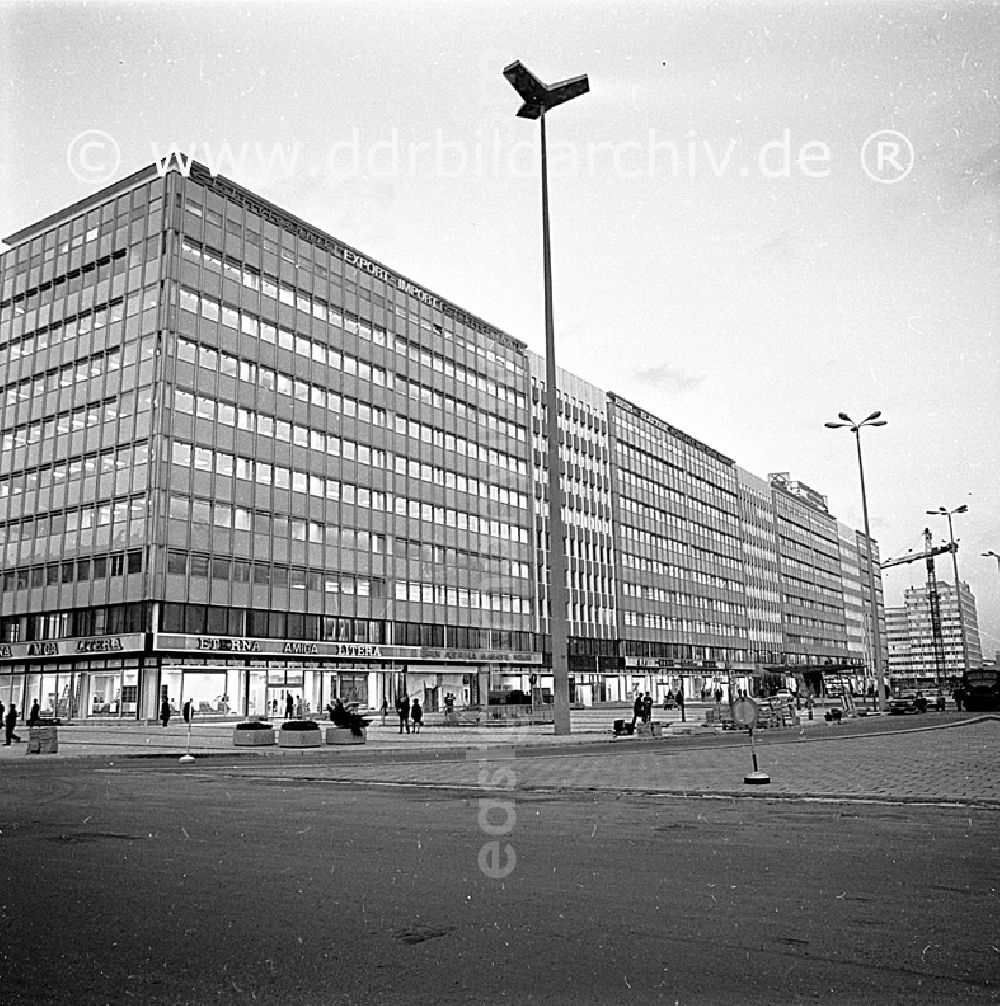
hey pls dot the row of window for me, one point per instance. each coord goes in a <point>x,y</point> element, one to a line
<point>72,571</point>
<point>485,564</point>
<point>321,354</point>
<point>660,491</point>
<point>91,322</point>
<point>97,414</point>
<point>268,574</point>
<point>662,446</point>
<point>664,596</point>
<point>320,397</point>
<point>128,511</point>
<point>722,494</point>
<point>114,460</point>
<point>646,565</point>
<point>96,284</point>
<point>418,592</point>
<point>345,492</point>
<point>214,309</point>
<point>274,526</point>
<point>639,620</point>
<point>311,304</point>
<point>667,519</point>
<point>665,544</point>
<point>72,374</point>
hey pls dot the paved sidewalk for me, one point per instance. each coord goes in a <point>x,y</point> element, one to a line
<point>938,758</point>
<point>942,764</point>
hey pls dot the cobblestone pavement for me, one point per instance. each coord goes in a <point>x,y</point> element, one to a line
<point>959,763</point>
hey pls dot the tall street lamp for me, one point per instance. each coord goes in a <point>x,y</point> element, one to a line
<point>538,99</point>
<point>944,512</point>
<point>986,555</point>
<point>855,428</point>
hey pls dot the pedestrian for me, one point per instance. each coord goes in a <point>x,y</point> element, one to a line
<point>299,709</point>
<point>1,713</point>
<point>9,723</point>
<point>289,706</point>
<point>718,696</point>
<point>34,714</point>
<point>188,711</point>
<point>165,712</point>
<point>636,708</point>
<point>385,709</point>
<point>417,715</point>
<point>403,709</point>
<point>647,708</point>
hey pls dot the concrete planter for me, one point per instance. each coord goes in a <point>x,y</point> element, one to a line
<point>253,738</point>
<point>343,735</point>
<point>43,740</point>
<point>300,739</point>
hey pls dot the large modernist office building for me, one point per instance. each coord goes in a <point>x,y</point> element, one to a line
<point>242,461</point>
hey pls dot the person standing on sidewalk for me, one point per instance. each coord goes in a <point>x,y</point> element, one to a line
<point>385,709</point>
<point>403,708</point>
<point>289,706</point>
<point>9,723</point>
<point>165,712</point>
<point>417,715</point>
<point>636,708</point>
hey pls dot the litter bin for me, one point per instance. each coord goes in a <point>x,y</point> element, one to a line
<point>43,739</point>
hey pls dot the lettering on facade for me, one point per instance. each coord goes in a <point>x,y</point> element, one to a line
<point>305,649</point>
<point>99,645</point>
<point>237,645</point>
<point>356,650</point>
<point>43,649</point>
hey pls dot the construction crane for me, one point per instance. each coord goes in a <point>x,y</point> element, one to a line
<point>933,597</point>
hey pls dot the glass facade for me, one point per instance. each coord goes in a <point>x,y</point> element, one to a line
<point>246,465</point>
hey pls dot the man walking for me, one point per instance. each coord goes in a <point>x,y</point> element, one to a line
<point>403,708</point>
<point>9,723</point>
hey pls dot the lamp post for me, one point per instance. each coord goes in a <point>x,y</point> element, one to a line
<point>986,555</point>
<point>538,99</point>
<point>944,512</point>
<point>855,428</point>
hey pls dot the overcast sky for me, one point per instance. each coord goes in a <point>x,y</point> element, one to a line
<point>723,254</point>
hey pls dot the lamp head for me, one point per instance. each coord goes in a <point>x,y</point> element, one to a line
<point>845,417</point>
<point>874,415</point>
<point>835,426</point>
<point>964,508</point>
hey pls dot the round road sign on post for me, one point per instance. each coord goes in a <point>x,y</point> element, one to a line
<point>745,713</point>
<point>745,716</point>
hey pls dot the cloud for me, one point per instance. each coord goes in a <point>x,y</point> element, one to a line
<point>669,378</point>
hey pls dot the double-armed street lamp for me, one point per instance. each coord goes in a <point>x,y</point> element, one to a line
<point>539,98</point>
<point>855,428</point>
<point>945,512</point>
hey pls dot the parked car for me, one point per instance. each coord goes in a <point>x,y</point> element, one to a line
<point>907,702</point>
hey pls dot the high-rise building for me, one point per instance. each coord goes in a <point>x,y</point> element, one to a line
<point>245,464</point>
<point>914,659</point>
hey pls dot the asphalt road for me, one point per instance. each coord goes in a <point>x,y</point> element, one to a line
<point>156,884</point>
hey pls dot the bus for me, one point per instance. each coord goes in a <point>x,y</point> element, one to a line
<point>981,689</point>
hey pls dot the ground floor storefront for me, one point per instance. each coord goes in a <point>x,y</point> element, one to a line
<point>129,677</point>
